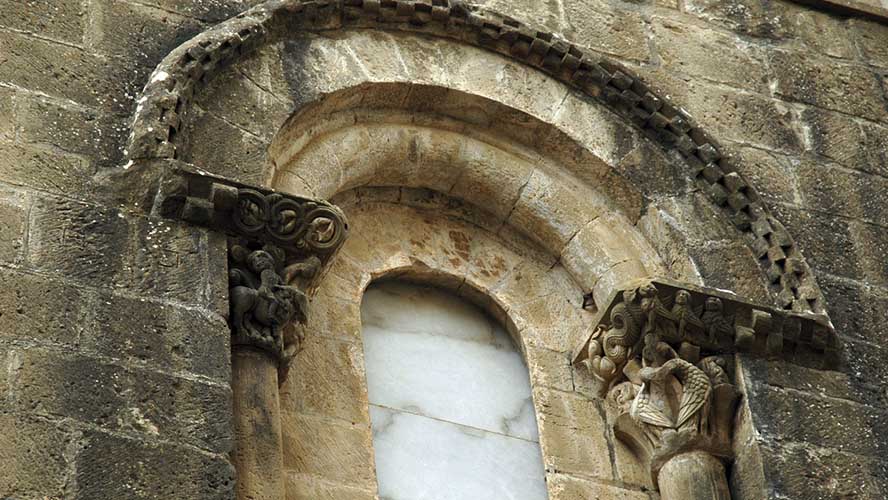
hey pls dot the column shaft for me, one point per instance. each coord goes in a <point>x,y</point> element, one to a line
<point>694,475</point>
<point>258,455</point>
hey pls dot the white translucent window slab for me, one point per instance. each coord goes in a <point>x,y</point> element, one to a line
<point>450,400</point>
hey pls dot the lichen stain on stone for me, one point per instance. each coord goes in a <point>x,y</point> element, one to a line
<point>461,244</point>
<point>418,243</point>
<point>493,269</point>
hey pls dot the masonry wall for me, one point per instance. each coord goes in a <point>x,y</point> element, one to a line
<point>113,349</point>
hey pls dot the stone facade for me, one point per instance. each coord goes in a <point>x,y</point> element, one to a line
<point>530,156</point>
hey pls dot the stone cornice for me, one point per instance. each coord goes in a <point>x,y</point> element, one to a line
<point>715,321</point>
<point>299,226</point>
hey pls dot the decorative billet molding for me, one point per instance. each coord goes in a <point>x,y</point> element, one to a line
<point>278,246</point>
<point>661,353</point>
<point>167,97</point>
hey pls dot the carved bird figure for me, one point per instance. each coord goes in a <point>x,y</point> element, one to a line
<point>694,395</point>
<point>644,411</point>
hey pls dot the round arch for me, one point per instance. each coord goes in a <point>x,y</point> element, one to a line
<point>617,215</point>
<point>585,220</point>
<point>166,100</point>
<point>324,400</point>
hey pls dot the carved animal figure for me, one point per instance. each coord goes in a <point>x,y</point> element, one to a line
<point>623,335</point>
<point>596,361</point>
<point>305,269</point>
<point>260,303</point>
<point>694,395</point>
<point>623,395</point>
<point>714,367</point>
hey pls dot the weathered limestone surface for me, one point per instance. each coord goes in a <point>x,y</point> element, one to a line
<point>114,366</point>
<point>326,425</point>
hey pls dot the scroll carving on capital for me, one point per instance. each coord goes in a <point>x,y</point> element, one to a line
<point>662,355</point>
<point>299,226</point>
<point>278,248</point>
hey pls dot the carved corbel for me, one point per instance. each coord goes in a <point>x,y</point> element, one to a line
<point>278,247</point>
<point>661,354</point>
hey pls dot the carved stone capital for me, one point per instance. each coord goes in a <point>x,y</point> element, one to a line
<point>661,353</point>
<point>278,248</point>
<point>266,310</point>
<point>299,226</point>
<point>675,408</point>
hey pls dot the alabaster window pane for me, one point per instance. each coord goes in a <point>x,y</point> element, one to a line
<point>450,400</point>
<point>420,458</point>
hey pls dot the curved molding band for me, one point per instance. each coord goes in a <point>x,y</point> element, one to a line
<point>168,95</point>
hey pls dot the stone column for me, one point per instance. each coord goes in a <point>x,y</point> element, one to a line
<point>262,306</point>
<point>695,474</point>
<point>277,248</point>
<point>662,355</point>
<point>257,455</point>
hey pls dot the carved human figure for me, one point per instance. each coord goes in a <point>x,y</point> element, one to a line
<point>717,325</point>
<point>261,302</point>
<point>659,326</point>
<point>684,314</point>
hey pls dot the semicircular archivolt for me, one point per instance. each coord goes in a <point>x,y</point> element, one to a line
<point>168,96</point>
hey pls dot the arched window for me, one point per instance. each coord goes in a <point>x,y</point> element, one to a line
<point>450,400</point>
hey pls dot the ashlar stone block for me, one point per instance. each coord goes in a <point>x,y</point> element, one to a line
<point>32,457</point>
<point>568,487</point>
<point>331,450</point>
<point>838,87</point>
<point>309,487</point>
<point>118,398</point>
<point>713,55</point>
<point>114,466</point>
<point>63,20</point>
<point>573,434</point>
<point>326,379</point>
<point>104,248</point>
